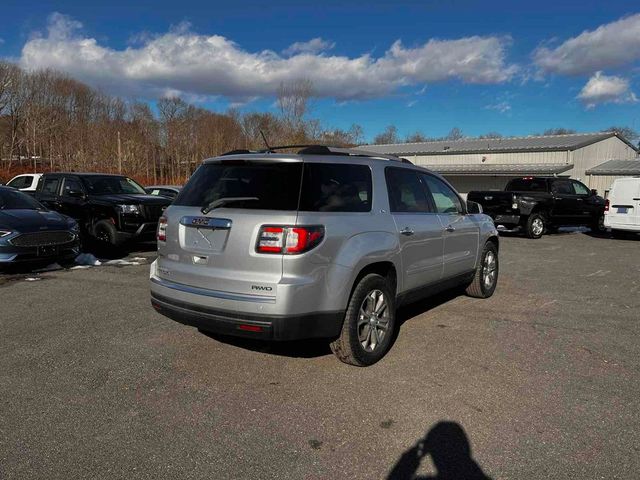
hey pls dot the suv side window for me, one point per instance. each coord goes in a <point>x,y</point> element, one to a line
<point>71,184</point>
<point>562,187</point>
<point>333,187</point>
<point>406,192</point>
<point>579,188</point>
<point>50,186</point>
<point>444,198</point>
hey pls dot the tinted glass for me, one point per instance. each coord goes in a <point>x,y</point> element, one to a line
<point>580,189</point>
<point>444,198</point>
<point>107,185</point>
<point>71,185</point>
<point>562,187</point>
<point>13,199</point>
<point>336,188</point>
<point>168,193</point>
<point>50,186</point>
<point>406,192</point>
<point>527,185</point>
<point>275,184</point>
<point>21,182</point>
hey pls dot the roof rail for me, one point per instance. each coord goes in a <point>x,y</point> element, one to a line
<point>315,149</point>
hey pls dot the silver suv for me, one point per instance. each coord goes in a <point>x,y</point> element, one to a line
<point>325,243</point>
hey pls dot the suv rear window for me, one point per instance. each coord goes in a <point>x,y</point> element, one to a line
<point>326,187</point>
<point>275,184</point>
<point>527,185</point>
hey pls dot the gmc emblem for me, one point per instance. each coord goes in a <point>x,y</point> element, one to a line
<point>488,198</point>
<point>200,221</point>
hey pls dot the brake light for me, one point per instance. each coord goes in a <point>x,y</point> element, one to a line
<point>289,240</point>
<point>161,234</point>
<point>606,205</point>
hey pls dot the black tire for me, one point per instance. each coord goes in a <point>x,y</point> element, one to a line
<point>105,233</point>
<point>479,286</point>
<point>348,346</point>
<point>533,228</point>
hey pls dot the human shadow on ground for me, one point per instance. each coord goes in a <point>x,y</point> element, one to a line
<point>450,451</point>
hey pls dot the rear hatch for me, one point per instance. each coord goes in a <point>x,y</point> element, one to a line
<point>624,202</point>
<point>216,249</point>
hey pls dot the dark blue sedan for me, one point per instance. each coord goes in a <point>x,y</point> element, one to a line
<point>30,232</point>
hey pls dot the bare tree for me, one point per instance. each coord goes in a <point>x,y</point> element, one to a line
<point>626,132</point>
<point>454,134</point>
<point>389,136</point>
<point>558,131</point>
<point>293,101</point>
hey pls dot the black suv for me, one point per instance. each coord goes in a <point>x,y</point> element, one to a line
<point>110,208</point>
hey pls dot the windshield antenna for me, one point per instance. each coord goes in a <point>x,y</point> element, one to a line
<point>265,141</point>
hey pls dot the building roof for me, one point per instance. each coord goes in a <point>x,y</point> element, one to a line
<point>616,167</point>
<point>511,169</point>
<point>541,143</point>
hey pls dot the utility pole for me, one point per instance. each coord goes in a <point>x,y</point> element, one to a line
<point>119,154</point>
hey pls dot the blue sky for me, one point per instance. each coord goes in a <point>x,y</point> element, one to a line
<point>512,67</point>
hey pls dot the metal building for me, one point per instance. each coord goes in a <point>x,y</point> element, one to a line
<point>486,164</point>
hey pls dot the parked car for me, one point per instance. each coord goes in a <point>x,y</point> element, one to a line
<point>537,205</point>
<point>109,208</point>
<point>30,232</point>
<point>169,191</point>
<point>325,243</point>
<point>622,211</point>
<point>26,182</point>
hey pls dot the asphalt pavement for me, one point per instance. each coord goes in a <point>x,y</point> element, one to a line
<point>540,381</point>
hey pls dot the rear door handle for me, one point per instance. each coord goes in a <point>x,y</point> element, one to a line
<point>450,228</point>
<point>407,231</point>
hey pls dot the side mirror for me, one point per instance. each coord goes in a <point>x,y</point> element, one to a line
<point>473,207</point>
<point>594,192</point>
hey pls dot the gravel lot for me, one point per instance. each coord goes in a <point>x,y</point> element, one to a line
<point>543,378</point>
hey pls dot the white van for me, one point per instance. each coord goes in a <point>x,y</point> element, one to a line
<point>622,210</point>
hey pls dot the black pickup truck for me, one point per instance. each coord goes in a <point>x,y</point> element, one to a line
<point>109,208</point>
<point>542,204</point>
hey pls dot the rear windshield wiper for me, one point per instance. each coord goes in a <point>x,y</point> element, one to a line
<point>223,201</point>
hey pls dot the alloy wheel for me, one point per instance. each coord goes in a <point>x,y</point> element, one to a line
<point>489,270</point>
<point>373,320</point>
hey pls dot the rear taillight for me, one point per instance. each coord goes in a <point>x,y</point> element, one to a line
<point>289,240</point>
<point>161,234</point>
<point>606,205</point>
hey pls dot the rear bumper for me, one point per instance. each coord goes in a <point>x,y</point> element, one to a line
<point>610,222</point>
<point>267,327</point>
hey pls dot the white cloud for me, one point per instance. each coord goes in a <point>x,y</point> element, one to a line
<point>502,107</point>
<point>606,89</point>
<point>313,46</point>
<point>611,45</point>
<point>183,61</point>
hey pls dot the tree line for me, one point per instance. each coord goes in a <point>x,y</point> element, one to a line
<point>51,122</point>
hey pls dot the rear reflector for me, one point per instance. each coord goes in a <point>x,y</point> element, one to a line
<point>289,240</point>
<point>250,328</point>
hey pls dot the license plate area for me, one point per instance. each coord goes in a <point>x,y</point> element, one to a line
<point>623,210</point>
<point>204,234</point>
<point>47,251</point>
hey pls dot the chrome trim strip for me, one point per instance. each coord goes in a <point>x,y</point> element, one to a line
<point>212,293</point>
<point>206,222</point>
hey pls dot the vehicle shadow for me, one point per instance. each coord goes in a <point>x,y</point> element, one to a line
<point>109,252</point>
<point>295,349</point>
<point>448,446</point>
<point>320,347</point>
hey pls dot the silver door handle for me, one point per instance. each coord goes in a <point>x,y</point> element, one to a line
<point>407,231</point>
<point>450,228</point>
